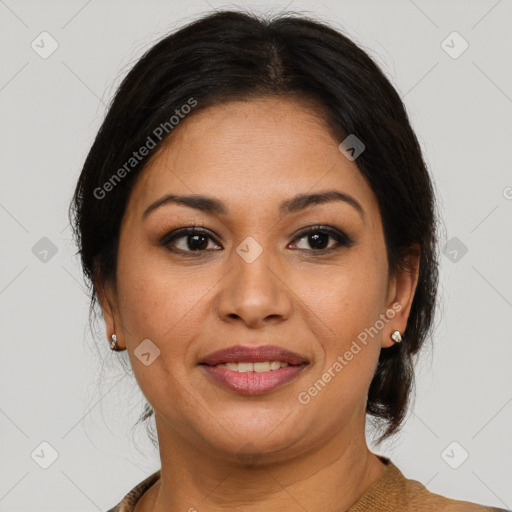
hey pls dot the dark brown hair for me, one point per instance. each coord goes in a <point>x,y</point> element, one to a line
<point>232,55</point>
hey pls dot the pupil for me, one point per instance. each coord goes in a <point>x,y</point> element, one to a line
<point>196,246</point>
<point>315,238</point>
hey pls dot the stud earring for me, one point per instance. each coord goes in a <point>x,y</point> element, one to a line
<point>396,337</point>
<point>113,344</point>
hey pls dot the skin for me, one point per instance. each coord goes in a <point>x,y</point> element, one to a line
<point>252,156</point>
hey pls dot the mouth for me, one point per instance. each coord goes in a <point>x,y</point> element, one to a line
<point>253,370</point>
<point>258,367</point>
<point>262,354</point>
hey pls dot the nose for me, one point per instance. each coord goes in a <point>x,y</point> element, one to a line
<point>254,292</point>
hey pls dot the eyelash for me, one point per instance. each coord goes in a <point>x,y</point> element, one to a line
<point>341,238</point>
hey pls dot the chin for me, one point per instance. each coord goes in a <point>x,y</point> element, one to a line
<point>257,441</point>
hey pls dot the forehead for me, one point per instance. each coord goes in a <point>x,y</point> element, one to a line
<point>252,155</point>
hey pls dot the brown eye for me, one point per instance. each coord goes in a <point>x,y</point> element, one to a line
<point>188,240</point>
<point>318,239</point>
<point>194,241</point>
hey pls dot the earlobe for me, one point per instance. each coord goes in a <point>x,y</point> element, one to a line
<point>109,311</point>
<point>401,295</point>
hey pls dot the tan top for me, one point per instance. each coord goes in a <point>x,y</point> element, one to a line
<point>392,492</point>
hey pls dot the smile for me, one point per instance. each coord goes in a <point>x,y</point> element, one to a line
<point>259,367</point>
<point>253,378</point>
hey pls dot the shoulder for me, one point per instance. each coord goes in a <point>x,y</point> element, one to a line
<point>128,503</point>
<point>419,498</point>
<point>394,492</point>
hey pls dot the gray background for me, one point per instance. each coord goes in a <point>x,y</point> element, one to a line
<point>62,385</point>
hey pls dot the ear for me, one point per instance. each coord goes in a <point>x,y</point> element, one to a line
<point>107,297</point>
<point>401,291</point>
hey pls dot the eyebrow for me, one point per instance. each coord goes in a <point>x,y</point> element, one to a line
<point>216,207</point>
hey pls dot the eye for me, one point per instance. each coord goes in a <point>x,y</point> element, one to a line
<point>197,240</point>
<point>189,239</point>
<point>318,238</point>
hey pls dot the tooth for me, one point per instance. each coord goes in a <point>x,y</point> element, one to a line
<point>263,366</point>
<point>258,367</point>
<point>245,367</point>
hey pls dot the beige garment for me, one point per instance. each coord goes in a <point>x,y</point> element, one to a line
<point>392,492</point>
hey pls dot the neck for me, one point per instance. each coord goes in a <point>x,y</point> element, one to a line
<point>328,477</point>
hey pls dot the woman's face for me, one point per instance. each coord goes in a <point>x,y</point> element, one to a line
<point>254,277</point>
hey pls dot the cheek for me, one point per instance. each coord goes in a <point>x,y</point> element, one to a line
<point>342,310</point>
<point>158,301</point>
<point>163,304</point>
<point>347,303</point>
<point>348,298</point>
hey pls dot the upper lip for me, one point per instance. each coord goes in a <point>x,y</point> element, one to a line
<point>240,353</point>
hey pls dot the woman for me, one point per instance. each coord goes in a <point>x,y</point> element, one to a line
<point>259,227</point>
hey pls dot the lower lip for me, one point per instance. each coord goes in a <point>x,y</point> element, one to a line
<point>253,383</point>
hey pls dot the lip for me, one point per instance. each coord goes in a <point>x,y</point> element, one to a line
<point>253,383</point>
<point>239,353</point>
